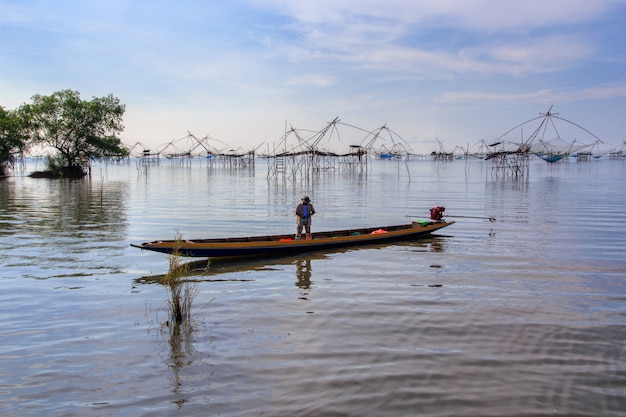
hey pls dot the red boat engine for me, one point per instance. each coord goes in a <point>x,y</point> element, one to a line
<point>436,213</point>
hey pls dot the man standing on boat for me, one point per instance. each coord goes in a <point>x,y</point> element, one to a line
<point>304,212</point>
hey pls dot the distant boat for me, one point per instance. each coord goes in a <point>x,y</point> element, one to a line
<point>275,245</point>
<point>390,156</point>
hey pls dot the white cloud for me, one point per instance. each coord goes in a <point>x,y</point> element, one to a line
<point>478,15</point>
<point>537,55</point>
<point>545,95</point>
<point>490,36</point>
<point>315,80</point>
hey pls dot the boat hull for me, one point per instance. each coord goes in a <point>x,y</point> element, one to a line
<point>275,245</point>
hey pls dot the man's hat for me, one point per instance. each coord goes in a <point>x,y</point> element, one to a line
<point>306,199</point>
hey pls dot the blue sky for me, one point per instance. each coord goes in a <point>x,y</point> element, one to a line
<point>457,72</point>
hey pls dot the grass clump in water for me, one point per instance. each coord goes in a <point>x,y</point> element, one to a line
<point>181,293</point>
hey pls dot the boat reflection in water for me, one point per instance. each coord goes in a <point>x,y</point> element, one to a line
<point>217,270</point>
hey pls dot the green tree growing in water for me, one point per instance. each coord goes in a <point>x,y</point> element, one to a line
<point>13,139</point>
<point>79,130</point>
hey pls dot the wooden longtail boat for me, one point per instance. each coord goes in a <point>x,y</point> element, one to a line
<point>274,245</point>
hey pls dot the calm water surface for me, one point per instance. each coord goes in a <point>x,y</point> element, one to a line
<point>525,316</point>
